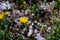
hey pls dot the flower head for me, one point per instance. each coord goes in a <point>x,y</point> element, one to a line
<point>24,2</point>
<point>6,13</point>
<point>1,16</point>
<point>23,20</point>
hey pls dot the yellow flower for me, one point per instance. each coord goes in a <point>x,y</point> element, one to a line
<point>6,13</point>
<point>1,16</point>
<point>23,20</point>
<point>24,2</point>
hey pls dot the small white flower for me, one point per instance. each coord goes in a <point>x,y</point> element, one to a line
<point>41,24</point>
<point>9,14</point>
<point>30,27</point>
<point>26,12</point>
<point>33,14</point>
<point>35,31</point>
<point>35,21</point>
<point>44,8</point>
<point>5,5</point>
<point>22,32</point>
<point>39,37</point>
<point>23,37</point>
<point>24,29</point>
<point>17,29</point>
<point>30,32</point>
<point>8,5</point>
<point>22,11</point>
<point>32,24</point>
<point>18,23</point>
<point>44,25</point>
<point>38,23</point>
<point>29,22</point>
<point>17,11</point>
<point>49,29</point>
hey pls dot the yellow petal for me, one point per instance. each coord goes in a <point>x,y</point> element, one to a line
<point>23,19</point>
<point>6,13</point>
<point>24,2</point>
<point>1,16</point>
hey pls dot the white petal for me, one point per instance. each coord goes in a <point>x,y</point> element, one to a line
<point>32,23</point>
<point>29,22</point>
<point>33,14</point>
<point>35,31</point>
<point>38,37</point>
<point>38,23</point>
<point>30,32</point>
<point>30,27</point>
